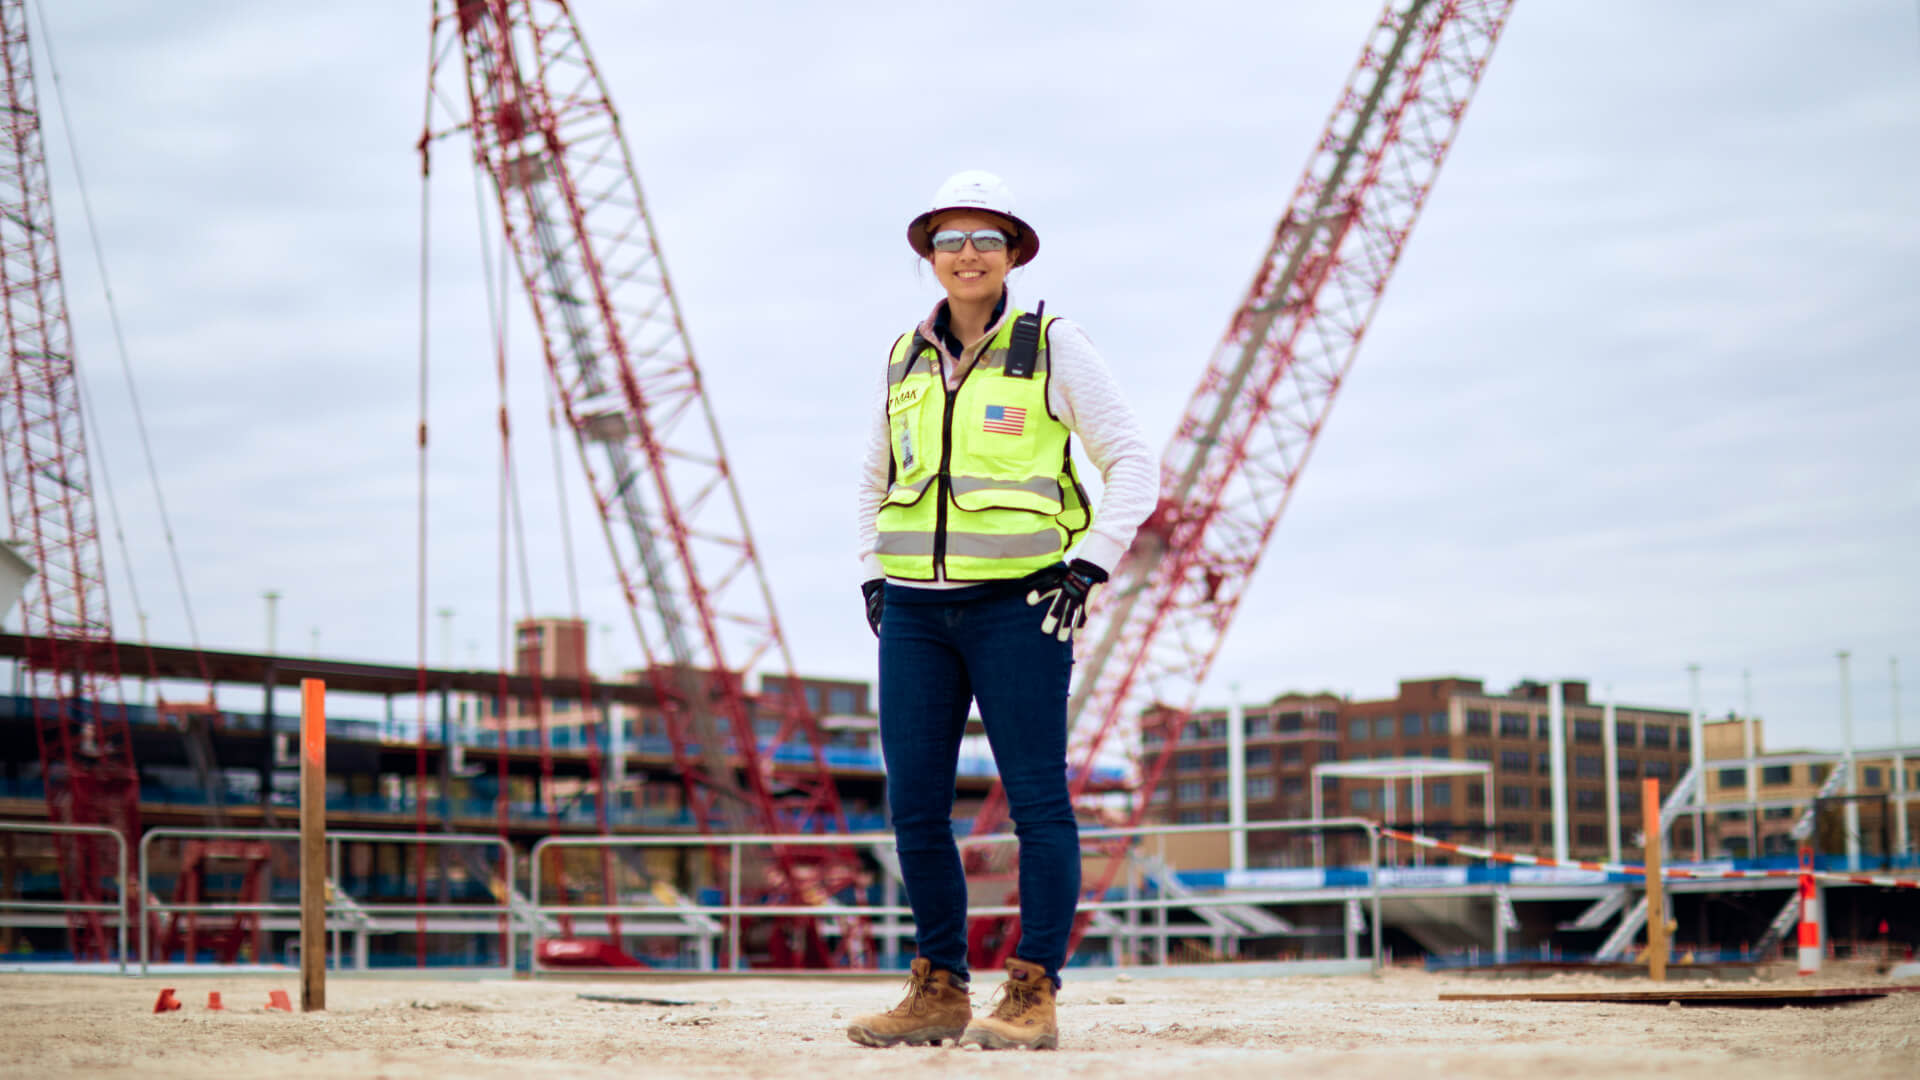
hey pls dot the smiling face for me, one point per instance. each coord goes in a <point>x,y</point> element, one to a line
<point>969,276</point>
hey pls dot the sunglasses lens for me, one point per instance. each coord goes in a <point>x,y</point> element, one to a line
<point>984,240</point>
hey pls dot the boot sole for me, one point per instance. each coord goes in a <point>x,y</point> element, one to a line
<point>922,1037</point>
<point>992,1040</point>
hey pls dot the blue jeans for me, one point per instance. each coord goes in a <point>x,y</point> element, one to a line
<point>941,650</point>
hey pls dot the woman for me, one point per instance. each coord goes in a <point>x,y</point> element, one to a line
<point>981,550</point>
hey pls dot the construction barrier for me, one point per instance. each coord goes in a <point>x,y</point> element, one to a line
<point>1810,944</point>
<point>1670,873</point>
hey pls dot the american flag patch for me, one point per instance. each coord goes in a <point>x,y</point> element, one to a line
<point>1005,419</point>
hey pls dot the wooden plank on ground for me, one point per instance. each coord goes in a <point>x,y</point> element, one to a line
<point>1815,995</point>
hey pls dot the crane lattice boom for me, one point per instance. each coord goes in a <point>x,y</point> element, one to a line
<point>548,136</point>
<point>1264,397</point>
<point>86,749</point>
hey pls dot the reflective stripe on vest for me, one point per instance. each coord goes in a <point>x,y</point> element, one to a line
<point>997,463</point>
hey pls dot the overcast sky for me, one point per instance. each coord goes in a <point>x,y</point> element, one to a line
<point>1643,391</point>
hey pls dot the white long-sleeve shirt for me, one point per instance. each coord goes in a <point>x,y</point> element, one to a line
<point>1081,391</point>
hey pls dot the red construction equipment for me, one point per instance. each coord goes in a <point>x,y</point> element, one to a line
<point>1263,400</point>
<point>86,751</point>
<point>228,934</point>
<point>548,136</point>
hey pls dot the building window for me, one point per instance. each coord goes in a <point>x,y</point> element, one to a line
<point>1682,737</point>
<point>1659,769</point>
<point>1360,799</point>
<point>1657,736</point>
<point>1733,778</point>
<point>1217,759</point>
<point>1440,793</point>
<point>1189,761</point>
<point>1587,799</point>
<point>1513,725</point>
<point>1410,725</point>
<point>1514,760</point>
<point>1870,776</point>
<point>1628,768</point>
<point>1624,733</point>
<point>1629,799</point>
<point>1587,731</point>
<point>1479,753</point>
<point>1190,731</point>
<point>1516,798</point>
<point>1817,774</point>
<point>1479,722</point>
<point>1259,788</point>
<point>1292,785</point>
<point>1289,722</point>
<point>843,701</point>
<point>1329,751</point>
<point>1777,813</point>
<point>1192,791</point>
<point>1329,722</point>
<point>1259,725</point>
<point>1161,794</point>
<point>1589,835</point>
<point>1775,775</point>
<point>1546,765</point>
<point>1216,789</point>
<point>1358,728</point>
<point>1476,793</point>
<point>1437,724</point>
<point>1439,753</point>
<point>1383,727</point>
<point>1516,832</point>
<point>1543,725</point>
<point>1589,766</point>
<point>1193,817</point>
<point>1151,738</point>
<point>1291,755</point>
<point>813,699</point>
<point>1260,755</point>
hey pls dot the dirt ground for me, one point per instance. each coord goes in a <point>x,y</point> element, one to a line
<point>1218,1028</point>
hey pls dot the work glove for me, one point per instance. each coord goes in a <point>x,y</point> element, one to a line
<point>875,592</point>
<point>1064,589</point>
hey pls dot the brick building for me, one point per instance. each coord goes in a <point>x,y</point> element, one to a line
<point>1783,788</point>
<point>1450,718</point>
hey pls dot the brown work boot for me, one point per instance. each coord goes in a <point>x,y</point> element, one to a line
<point>1024,1018</point>
<point>936,1007</point>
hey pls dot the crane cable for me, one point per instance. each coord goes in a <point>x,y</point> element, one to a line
<point>126,368</point>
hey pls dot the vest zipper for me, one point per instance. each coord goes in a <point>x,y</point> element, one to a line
<point>946,463</point>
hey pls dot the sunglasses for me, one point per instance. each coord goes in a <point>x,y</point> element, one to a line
<point>984,240</point>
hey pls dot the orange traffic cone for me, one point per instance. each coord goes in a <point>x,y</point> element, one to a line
<point>277,999</point>
<point>167,1002</point>
<point>213,1000</point>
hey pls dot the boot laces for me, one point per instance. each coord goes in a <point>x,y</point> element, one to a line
<point>919,994</point>
<point>1015,999</point>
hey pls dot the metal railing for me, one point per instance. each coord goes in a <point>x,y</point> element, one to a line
<point>734,910</point>
<point>73,906</point>
<point>343,913</point>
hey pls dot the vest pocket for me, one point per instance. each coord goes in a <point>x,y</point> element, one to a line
<point>1038,494</point>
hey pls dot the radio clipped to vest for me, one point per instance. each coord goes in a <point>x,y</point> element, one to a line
<point>1023,349</point>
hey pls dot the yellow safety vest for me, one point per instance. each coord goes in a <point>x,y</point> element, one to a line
<point>982,486</point>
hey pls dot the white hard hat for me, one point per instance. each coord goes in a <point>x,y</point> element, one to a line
<point>974,190</point>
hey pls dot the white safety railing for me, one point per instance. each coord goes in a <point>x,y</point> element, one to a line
<point>735,909</point>
<point>72,907</point>
<point>343,913</point>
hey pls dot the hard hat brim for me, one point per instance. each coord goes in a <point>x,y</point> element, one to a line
<point>922,243</point>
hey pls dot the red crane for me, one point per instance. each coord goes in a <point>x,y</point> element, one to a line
<point>86,750</point>
<point>548,136</point>
<point>1263,400</point>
